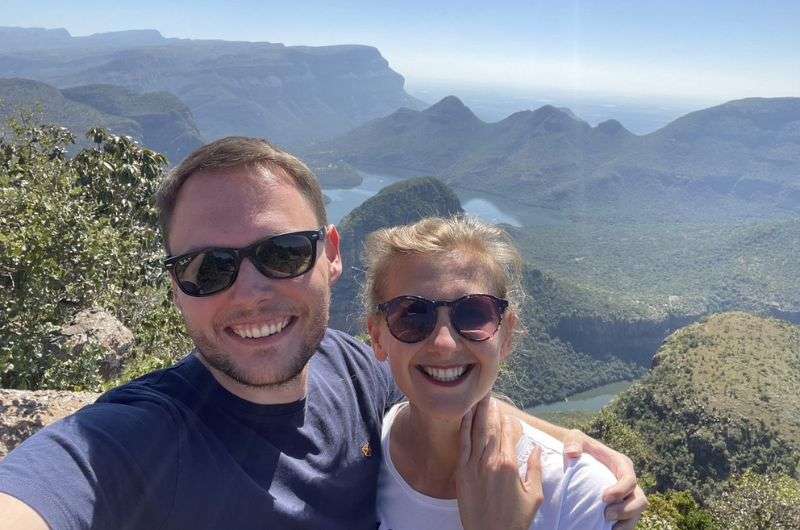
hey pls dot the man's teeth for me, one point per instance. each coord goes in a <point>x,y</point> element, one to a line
<point>445,375</point>
<point>264,330</point>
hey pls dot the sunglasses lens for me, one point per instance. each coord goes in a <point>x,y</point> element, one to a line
<point>207,272</point>
<point>410,320</point>
<point>476,317</point>
<point>285,256</point>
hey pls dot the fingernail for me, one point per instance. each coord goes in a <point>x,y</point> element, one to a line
<point>571,449</point>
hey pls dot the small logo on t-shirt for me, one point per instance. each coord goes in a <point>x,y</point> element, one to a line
<point>366,450</point>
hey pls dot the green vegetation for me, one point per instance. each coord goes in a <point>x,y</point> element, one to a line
<point>716,422</point>
<point>78,232</point>
<point>654,270</point>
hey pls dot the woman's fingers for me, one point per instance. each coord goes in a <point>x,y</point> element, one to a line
<point>482,430</point>
<point>628,511</point>
<point>533,476</point>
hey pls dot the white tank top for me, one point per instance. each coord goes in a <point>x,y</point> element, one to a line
<point>572,492</point>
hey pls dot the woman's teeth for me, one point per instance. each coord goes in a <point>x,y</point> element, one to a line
<point>263,330</point>
<point>445,375</point>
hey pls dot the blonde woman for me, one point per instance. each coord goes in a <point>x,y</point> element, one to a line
<point>443,298</point>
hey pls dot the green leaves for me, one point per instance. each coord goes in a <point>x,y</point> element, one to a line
<point>76,233</point>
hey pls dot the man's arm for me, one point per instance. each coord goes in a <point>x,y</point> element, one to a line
<point>626,500</point>
<point>16,515</point>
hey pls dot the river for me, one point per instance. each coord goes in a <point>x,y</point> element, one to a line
<point>588,401</point>
<point>343,201</point>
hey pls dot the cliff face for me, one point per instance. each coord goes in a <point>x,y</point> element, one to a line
<point>291,95</point>
<point>158,120</point>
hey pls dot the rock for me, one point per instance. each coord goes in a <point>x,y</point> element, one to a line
<point>23,412</point>
<point>96,326</point>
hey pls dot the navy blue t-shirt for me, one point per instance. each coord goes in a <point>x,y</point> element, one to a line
<point>175,450</point>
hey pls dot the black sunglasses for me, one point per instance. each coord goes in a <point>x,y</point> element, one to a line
<point>211,270</point>
<point>475,317</point>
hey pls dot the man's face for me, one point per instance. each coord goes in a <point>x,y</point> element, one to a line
<point>260,332</point>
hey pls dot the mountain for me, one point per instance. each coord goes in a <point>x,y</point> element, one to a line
<point>723,397</point>
<point>26,39</point>
<point>290,94</point>
<point>738,159</point>
<point>158,120</point>
<point>167,124</point>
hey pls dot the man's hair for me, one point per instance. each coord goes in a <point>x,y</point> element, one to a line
<point>231,153</point>
<point>488,244</point>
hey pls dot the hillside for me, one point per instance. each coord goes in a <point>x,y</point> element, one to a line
<point>290,94</point>
<point>736,160</point>
<point>158,120</point>
<point>679,268</point>
<point>723,397</point>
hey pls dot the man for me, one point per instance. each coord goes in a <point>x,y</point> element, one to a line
<point>273,421</point>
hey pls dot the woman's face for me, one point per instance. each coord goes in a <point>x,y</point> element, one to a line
<point>426,371</point>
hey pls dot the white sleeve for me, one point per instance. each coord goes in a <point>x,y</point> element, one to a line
<point>582,506</point>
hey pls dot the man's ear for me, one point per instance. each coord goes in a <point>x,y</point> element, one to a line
<point>333,254</point>
<point>507,328</point>
<point>374,329</point>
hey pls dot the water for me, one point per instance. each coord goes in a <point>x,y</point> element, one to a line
<point>489,212</point>
<point>343,201</point>
<point>589,401</point>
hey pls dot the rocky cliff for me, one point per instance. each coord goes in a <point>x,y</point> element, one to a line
<point>158,120</point>
<point>291,95</point>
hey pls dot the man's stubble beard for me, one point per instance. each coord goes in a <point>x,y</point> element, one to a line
<point>224,363</point>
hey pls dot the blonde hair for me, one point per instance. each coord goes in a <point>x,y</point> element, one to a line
<point>435,235</point>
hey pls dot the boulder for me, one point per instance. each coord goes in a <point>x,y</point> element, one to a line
<point>23,412</point>
<point>98,327</point>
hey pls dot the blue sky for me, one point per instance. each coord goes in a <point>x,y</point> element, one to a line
<point>703,51</point>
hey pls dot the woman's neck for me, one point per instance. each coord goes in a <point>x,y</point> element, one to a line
<point>425,451</point>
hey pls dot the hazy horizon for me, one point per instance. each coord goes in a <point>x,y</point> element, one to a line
<point>705,53</point>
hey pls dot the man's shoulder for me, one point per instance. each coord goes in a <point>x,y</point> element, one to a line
<point>335,339</point>
<point>351,361</point>
<point>340,351</point>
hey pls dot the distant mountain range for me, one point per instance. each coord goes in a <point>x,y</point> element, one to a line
<point>724,158</point>
<point>291,95</point>
<point>159,120</point>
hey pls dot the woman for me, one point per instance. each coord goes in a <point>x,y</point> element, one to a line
<point>443,298</point>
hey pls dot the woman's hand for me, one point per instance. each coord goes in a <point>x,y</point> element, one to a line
<point>491,495</point>
<point>625,499</point>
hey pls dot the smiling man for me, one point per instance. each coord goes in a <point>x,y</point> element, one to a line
<point>274,420</point>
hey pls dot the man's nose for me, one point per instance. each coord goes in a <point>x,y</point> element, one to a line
<point>250,282</point>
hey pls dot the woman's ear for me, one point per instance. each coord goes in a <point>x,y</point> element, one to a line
<point>332,252</point>
<point>375,330</point>
<point>507,328</point>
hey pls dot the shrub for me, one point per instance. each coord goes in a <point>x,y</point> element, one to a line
<point>77,232</point>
